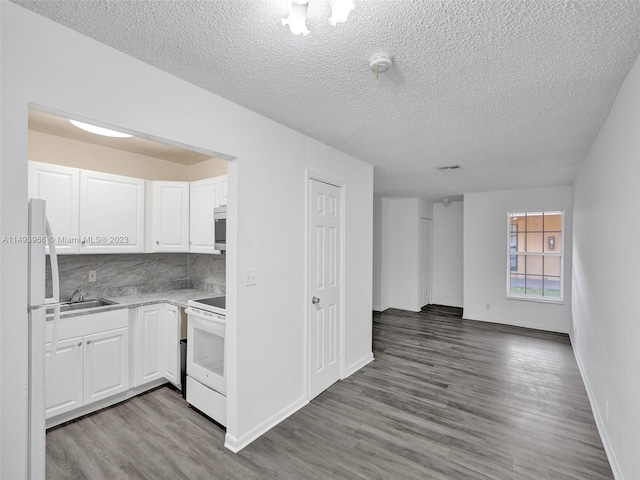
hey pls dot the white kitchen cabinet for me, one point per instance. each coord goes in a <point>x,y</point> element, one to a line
<point>91,360</point>
<point>156,344</point>
<point>106,364</point>
<point>171,339</point>
<point>111,213</point>
<point>167,216</point>
<point>223,182</point>
<point>65,392</point>
<point>149,344</point>
<point>59,186</point>
<point>204,197</point>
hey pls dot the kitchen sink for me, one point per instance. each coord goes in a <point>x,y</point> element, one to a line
<point>98,302</point>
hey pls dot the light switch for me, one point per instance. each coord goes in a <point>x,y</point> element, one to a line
<point>92,276</point>
<point>249,277</point>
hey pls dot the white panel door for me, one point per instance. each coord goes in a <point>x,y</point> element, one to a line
<point>106,364</point>
<point>149,343</point>
<point>60,187</point>
<point>111,213</point>
<point>425,262</point>
<point>203,199</point>
<point>171,347</point>
<point>170,216</point>
<point>324,286</point>
<point>65,391</point>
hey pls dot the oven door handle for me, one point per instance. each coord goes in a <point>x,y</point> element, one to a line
<point>216,319</point>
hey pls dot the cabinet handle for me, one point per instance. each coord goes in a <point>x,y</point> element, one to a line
<point>79,344</point>
<point>88,342</point>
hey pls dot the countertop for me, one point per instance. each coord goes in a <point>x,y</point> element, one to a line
<point>178,298</point>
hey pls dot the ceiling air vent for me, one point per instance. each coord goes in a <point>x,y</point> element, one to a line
<point>449,167</point>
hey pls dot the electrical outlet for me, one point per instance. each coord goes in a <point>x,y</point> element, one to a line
<point>250,277</point>
<point>488,307</point>
<point>606,410</point>
<point>93,277</point>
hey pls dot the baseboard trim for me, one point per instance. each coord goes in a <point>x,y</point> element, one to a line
<point>608,448</point>
<point>236,444</point>
<point>520,324</point>
<point>381,308</point>
<point>354,367</point>
<point>85,410</point>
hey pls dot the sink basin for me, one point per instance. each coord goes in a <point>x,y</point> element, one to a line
<point>99,302</point>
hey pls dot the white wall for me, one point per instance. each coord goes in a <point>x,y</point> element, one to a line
<point>606,262</point>
<point>397,263</point>
<point>485,258</point>
<point>377,254</point>
<point>448,246</point>
<point>47,64</point>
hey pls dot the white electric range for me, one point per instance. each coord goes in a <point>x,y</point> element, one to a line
<point>206,366</point>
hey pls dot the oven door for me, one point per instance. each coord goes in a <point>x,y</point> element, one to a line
<point>206,351</point>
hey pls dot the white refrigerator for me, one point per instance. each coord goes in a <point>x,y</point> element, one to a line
<point>40,237</point>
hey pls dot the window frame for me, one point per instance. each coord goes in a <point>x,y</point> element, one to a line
<point>509,254</point>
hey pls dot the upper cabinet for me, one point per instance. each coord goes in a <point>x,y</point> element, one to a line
<point>223,181</point>
<point>60,187</point>
<point>111,213</point>
<point>205,196</point>
<point>95,212</point>
<point>167,216</point>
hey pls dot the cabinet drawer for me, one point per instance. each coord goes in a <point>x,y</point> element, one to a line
<point>89,324</point>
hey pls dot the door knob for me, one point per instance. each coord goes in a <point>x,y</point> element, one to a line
<point>315,300</point>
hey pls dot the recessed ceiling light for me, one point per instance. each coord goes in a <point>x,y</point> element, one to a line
<point>99,130</point>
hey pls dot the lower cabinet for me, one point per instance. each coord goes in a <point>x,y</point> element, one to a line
<point>95,357</point>
<point>89,366</point>
<point>172,344</point>
<point>156,344</point>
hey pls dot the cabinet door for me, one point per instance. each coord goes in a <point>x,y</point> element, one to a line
<point>171,338</point>
<point>170,217</point>
<point>223,181</point>
<point>65,388</point>
<point>106,364</point>
<point>204,195</point>
<point>111,213</point>
<point>149,343</point>
<point>60,187</point>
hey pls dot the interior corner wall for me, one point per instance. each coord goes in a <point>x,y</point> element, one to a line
<point>47,64</point>
<point>377,255</point>
<point>448,247</point>
<point>485,258</point>
<point>398,261</point>
<point>606,312</point>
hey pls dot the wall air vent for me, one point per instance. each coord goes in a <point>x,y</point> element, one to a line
<point>449,167</point>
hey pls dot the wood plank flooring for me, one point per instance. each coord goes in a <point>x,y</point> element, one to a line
<point>445,399</point>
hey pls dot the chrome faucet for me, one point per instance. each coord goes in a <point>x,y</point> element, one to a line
<point>70,297</point>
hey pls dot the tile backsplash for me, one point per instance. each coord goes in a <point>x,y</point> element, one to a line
<point>128,274</point>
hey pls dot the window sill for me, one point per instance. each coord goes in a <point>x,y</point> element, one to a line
<point>553,301</point>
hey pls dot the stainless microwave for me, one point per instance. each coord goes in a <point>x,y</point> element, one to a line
<point>220,219</point>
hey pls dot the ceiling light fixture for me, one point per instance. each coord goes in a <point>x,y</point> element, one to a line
<point>105,132</point>
<point>297,19</point>
<point>340,10</point>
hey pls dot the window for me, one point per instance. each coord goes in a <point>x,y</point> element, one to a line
<point>534,255</point>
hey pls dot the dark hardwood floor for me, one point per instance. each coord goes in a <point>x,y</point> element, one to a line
<point>445,399</point>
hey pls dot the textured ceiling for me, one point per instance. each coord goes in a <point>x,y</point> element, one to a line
<point>512,91</point>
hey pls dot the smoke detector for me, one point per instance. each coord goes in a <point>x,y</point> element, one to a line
<point>380,63</point>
